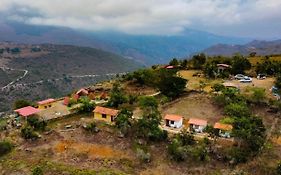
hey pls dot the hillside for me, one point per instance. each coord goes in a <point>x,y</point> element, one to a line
<point>147,49</point>
<point>260,47</point>
<point>55,70</point>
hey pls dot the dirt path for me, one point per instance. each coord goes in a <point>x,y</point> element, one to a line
<point>272,128</point>
<point>14,81</point>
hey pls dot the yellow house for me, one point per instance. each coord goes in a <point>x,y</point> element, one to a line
<point>46,103</point>
<point>105,114</point>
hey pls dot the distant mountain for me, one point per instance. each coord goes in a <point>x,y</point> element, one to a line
<point>260,47</point>
<point>54,70</point>
<point>148,49</point>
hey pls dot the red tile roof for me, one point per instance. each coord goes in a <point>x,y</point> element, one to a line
<point>173,117</point>
<point>50,100</point>
<point>224,65</point>
<point>222,126</point>
<point>196,121</point>
<point>82,91</point>
<point>66,100</point>
<point>108,111</point>
<point>169,67</point>
<point>27,111</point>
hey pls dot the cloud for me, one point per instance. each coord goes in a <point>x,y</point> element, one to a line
<point>148,16</point>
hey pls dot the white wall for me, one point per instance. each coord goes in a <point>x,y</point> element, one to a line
<point>176,124</point>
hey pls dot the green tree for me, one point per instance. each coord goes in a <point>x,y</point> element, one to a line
<point>198,61</point>
<point>117,96</point>
<point>148,104</point>
<point>21,103</point>
<point>124,121</point>
<point>37,124</point>
<point>237,110</point>
<point>258,95</point>
<point>87,105</point>
<point>174,62</point>
<point>28,133</point>
<point>240,64</point>
<point>172,86</point>
<point>5,148</point>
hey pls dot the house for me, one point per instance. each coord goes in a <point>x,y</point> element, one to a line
<point>82,92</point>
<point>197,125</point>
<point>46,103</point>
<point>105,114</point>
<point>174,121</point>
<point>223,67</point>
<point>27,111</point>
<point>224,130</point>
<point>66,101</point>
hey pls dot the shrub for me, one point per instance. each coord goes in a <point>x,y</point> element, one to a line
<point>28,133</point>
<point>5,148</point>
<point>21,103</point>
<point>37,124</point>
<point>92,127</point>
<point>37,171</point>
<point>218,87</point>
<point>143,156</point>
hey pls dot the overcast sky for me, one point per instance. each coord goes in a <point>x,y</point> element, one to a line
<point>247,18</point>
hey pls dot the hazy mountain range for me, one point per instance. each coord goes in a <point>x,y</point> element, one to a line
<point>259,47</point>
<point>147,49</point>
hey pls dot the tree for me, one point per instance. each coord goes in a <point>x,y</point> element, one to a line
<point>237,110</point>
<point>123,121</point>
<point>218,87</point>
<point>172,86</point>
<point>5,148</point>
<point>28,133</point>
<point>174,62</point>
<point>184,63</point>
<point>87,105</point>
<point>240,64</point>
<point>117,96</point>
<point>148,104</point>
<point>37,124</point>
<point>198,61</point>
<point>21,103</point>
<point>258,95</point>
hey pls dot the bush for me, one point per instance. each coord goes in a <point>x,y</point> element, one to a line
<point>28,133</point>
<point>218,87</point>
<point>37,124</point>
<point>92,127</point>
<point>5,148</point>
<point>21,103</point>
<point>143,156</point>
<point>37,171</point>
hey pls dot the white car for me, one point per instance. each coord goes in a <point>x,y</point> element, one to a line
<point>239,76</point>
<point>246,80</point>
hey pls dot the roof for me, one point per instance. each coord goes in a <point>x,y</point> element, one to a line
<point>224,65</point>
<point>50,100</point>
<point>66,100</point>
<point>108,111</point>
<point>228,84</point>
<point>173,117</point>
<point>169,67</point>
<point>83,91</point>
<point>222,126</point>
<point>27,111</point>
<point>196,121</point>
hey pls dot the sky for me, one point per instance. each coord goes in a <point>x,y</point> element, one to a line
<point>243,18</point>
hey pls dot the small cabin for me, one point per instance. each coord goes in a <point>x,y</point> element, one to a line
<point>174,121</point>
<point>105,114</point>
<point>197,125</point>
<point>224,130</point>
<point>223,67</point>
<point>82,92</point>
<point>46,103</point>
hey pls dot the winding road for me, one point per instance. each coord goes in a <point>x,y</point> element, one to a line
<point>13,83</point>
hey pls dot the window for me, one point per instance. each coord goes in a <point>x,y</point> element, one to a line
<point>103,115</point>
<point>172,122</point>
<point>45,107</point>
<point>50,106</point>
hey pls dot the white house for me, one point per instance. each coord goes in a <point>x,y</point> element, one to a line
<point>197,125</point>
<point>174,121</point>
<point>224,130</point>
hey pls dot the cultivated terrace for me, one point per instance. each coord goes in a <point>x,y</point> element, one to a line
<point>206,115</point>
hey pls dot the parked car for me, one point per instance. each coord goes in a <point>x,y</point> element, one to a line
<point>246,80</point>
<point>239,76</point>
<point>261,76</point>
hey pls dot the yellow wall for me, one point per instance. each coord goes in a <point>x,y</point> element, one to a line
<point>43,106</point>
<point>98,116</point>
